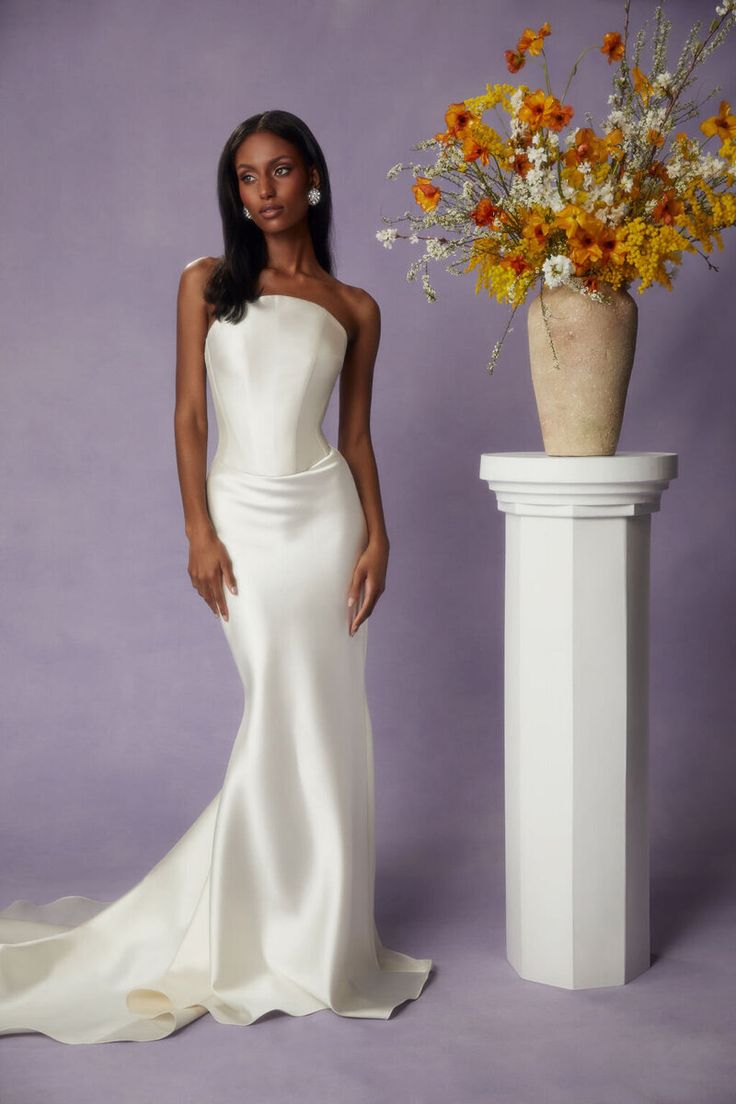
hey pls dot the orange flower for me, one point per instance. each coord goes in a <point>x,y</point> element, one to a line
<point>612,246</point>
<point>520,163</point>
<point>612,46</point>
<point>668,208</point>
<point>655,137</point>
<point>473,151</point>
<point>723,124</point>
<point>515,261</point>
<point>558,116</point>
<point>426,194</point>
<point>485,212</point>
<point>587,146</point>
<point>658,169</point>
<point>458,118</point>
<point>536,232</point>
<point>612,142</point>
<point>642,84</point>
<point>574,178</point>
<point>568,218</point>
<point>536,108</point>
<point>533,41</point>
<point>514,61</point>
<point>585,241</point>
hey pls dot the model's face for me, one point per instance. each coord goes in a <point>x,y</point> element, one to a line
<point>271,172</point>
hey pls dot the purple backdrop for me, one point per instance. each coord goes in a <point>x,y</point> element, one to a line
<point>120,699</point>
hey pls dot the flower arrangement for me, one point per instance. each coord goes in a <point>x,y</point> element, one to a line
<point>517,201</point>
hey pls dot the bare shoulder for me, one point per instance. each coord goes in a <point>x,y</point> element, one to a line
<point>362,307</point>
<point>192,283</point>
<point>196,274</point>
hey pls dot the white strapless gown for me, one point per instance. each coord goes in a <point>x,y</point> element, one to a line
<point>266,902</point>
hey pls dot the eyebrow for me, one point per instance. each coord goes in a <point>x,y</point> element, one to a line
<point>243,165</point>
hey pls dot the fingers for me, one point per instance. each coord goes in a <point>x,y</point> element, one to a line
<point>218,595</point>
<point>363,611</point>
<point>211,589</point>
<point>371,594</point>
<point>208,592</point>
<point>227,570</point>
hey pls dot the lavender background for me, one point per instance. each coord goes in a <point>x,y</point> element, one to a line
<point>120,699</point>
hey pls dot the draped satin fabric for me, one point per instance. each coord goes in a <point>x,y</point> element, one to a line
<point>267,900</point>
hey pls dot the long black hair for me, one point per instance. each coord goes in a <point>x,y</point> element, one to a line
<point>233,281</point>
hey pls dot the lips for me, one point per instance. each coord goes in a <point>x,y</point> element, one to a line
<point>272,210</point>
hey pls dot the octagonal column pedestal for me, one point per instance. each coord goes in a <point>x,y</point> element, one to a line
<point>576,710</point>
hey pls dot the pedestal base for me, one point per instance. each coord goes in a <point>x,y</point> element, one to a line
<point>576,711</point>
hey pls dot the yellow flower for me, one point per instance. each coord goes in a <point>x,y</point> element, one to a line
<point>569,218</point>
<point>648,247</point>
<point>723,124</point>
<point>494,94</point>
<point>507,278</point>
<point>704,217</point>
<point>484,141</point>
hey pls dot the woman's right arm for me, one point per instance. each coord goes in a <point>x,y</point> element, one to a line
<point>208,557</point>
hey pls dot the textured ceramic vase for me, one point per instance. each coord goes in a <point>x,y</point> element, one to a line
<point>581,402</point>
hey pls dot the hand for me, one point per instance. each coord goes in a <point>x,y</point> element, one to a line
<point>209,564</point>
<point>369,573</point>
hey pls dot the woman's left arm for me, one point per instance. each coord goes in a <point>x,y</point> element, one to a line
<point>354,442</point>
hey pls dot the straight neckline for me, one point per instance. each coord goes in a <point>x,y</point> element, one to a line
<point>298,299</point>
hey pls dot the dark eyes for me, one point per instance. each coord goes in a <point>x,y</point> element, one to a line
<point>244,177</point>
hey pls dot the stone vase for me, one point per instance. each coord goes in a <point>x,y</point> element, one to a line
<point>581,402</point>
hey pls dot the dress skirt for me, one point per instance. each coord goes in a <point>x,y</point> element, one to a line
<point>267,901</point>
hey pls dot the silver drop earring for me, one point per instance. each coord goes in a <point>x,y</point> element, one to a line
<point>247,213</point>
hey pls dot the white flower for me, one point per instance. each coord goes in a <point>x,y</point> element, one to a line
<point>394,171</point>
<point>726,7</point>
<point>616,118</point>
<point>429,291</point>
<point>414,239</point>
<point>437,250</point>
<point>516,100</point>
<point>711,166</point>
<point>387,236</point>
<point>662,83</point>
<point>557,270</point>
<point>616,214</point>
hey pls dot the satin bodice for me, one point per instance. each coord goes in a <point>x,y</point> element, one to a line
<point>271,376</point>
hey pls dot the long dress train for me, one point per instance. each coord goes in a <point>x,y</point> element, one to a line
<point>267,900</point>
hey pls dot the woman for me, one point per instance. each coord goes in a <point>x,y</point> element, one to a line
<point>266,902</point>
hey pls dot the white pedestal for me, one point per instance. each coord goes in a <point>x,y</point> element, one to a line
<point>576,710</point>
